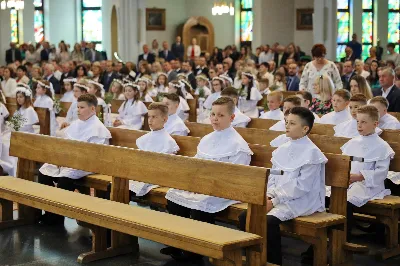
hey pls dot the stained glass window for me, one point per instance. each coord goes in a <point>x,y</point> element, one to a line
<point>367,27</point>
<point>394,23</point>
<point>343,32</point>
<point>92,22</point>
<point>38,20</point>
<point>246,22</point>
<point>14,26</point>
<point>37,3</point>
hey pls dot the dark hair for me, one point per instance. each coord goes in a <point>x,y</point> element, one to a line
<point>47,91</point>
<point>90,99</point>
<point>136,97</point>
<point>178,88</point>
<point>345,94</point>
<point>306,95</point>
<point>84,71</point>
<point>359,97</point>
<point>370,110</point>
<point>226,101</point>
<point>265,64</point>
<point>249,87</point>
<point>393,45</point>
<point>172,97</point>
<point>230,92</point>
<point>159,106</point>
<point>305,115</point>
<point>318,50</point>
<point>293,99</point>
<point>23,68</point>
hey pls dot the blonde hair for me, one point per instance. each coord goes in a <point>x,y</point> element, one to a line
<point>277,94</point>
<point>369,110</point>
<point>325,86</point>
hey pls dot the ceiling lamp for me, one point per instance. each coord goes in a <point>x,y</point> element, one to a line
<point>221,8</point>
<point>16,4</point>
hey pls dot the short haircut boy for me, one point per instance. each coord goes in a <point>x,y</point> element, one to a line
<point>172,97</point>
<point>380,99</point>
<point>159,106</point>
<point>296,101</point>
<point>306,95</point>
<point>307,117</point>
<point>277,94</point>
<point>265,81</point>
<point>369,110</point>
<point>361,98</point>
<point>90,99</point>
<point>226,101</point>
<point>230,92</point>
<point>345,94</point>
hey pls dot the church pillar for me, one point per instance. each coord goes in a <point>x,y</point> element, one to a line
<point>356,24</point>
<point>381,22</point>
<point>325,25</point>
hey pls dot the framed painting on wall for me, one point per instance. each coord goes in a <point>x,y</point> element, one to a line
<point>155,19</point>
<point>304,19</point>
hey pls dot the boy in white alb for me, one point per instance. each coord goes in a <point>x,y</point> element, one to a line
<point>157,140</point>
<point>222,145</point>
<point>306,100</point>
<point>174,124</point>
<point>341,113</point>
<point>88,128</point>
<point>386,121</point>
<point>288,103</point>
<point>240,120</point>
<point>300,191</point>
<point>348,129</point>
<point>274,101</point>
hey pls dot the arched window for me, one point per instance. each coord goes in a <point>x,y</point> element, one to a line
<point>38,20</point>
<point>92,22</point>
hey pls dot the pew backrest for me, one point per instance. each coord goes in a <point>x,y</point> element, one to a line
<point>42,113</point>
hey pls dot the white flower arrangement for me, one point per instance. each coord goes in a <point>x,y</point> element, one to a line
<point>16,122</point>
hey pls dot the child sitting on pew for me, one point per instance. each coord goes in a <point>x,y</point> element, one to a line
<point>306,100</point>
<point>44,99</point>
<point>274,101</point>
<point>222,145</point>
<point>174,125</point>
<point>97,89</point>
<point>88,128</point>
<point>68,87</point>
<point>143,83</point>
<point>132,110</point>
<point>249,95</point>
<point>202,90</point>
<point>386,120</point>
<point>367,178</point>
<point>240,120</point>
<point>183,109</point>
<point>288,103</point>
<point>117,89</point>
<point>341,113</point>
<point>348,129</point>
<point>158,140</point>
<point>300,191</point>
<point>80,88</point>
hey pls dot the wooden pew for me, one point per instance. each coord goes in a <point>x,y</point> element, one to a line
<point>66,105</point>
<point>222,245</point>
<point>395,114</point>
<point>313,229</point>
<point>43,115</point>
<point>11,100</point>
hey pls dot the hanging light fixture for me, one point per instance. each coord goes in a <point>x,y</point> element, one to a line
<point>17,4</point>
<point>221,7</point>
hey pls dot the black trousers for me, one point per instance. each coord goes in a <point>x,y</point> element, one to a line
<point>395,189</point>
<point>274,249</point>
<point>201,216</point>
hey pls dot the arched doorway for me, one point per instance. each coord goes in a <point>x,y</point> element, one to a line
<point>202,29</point>
<point>114,32</point>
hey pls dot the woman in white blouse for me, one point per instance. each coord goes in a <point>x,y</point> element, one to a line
<point>9,84</point>
<point>318,67</point>
<point>30,55</point>
<point>193,50</point>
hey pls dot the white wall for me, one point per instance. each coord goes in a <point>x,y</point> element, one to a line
<point>303,38</point>
<point>5,33</point>
<point>62,21</point>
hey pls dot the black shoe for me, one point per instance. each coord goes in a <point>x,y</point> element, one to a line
<point>51,219</point>
<point>170,250</point>
<point>186,256</point>
<point>307,257</point>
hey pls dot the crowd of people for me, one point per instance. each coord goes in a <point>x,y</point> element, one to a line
<point>353,95</point>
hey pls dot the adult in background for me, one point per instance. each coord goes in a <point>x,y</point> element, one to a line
<point>280,56</point>
<point>392,56</point>
<point>9,84</point>
<point>292,80</point>
<point>44,54</point>
<point>172,75</point>
<point>109,75</point>
<point>349,55</point>
<point>348,73</point>
<point>166,54</point>
<point>388,89</point>
<point>92,54</point>
<point>355,46</point>
<point>49,76</point>
<point>317,67</point>
<point>193,50</point>
<point>178,49</point>
<point>13,54</point>
<point>77,54</point>
<point>146,56</point>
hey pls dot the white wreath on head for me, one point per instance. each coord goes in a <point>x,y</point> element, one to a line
<point>101,86</point>
<point>25,89</point>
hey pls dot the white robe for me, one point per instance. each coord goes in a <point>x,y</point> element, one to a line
<point>300,191</point>
<point>131,113</point>
<point>175,126</point>
<point>249,107</point>
<point>241,120</point>
<point>335,118</point>
<point>389,122</point>
<point>280,140</point>
<point>68,97</point>
<point>276,114</point>
<point>207,91</point>
<point>44,101</point>
<point>183,109</point>
<point>221,146</point>
<point>377,155</point>
<point>72,113</point>
<point>348,129</point>
<point>212,98</point>
<point>317,119</point>
<point>3,115</point>
<point>279,126</point>
<point>92,131</point>
<point>147,98</point>
<point>155,141</point>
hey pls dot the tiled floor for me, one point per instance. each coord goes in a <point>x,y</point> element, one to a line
<point>39,245</point>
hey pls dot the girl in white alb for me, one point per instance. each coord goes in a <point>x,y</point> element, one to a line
<point>144,95</point>
<point>3,112</point>
<point>97,89</point>
<point>161,83</point>
<point>132,110</point>
<point>183,109</point>
<point>155,141</point>
<point>69,93</point>
<point>44,99</point>
<point>249,96</point>
<point>217,86</point>
<point>117,89</point>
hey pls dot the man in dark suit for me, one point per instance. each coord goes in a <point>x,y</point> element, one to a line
<point>92,54</point>
<point>280,56</point>
<point>165,53</point>
<point>178,49</point>
<point>13,54</point>
<point>49,76</point>
<point>187,68</point>
<point>389,90</point>
<point>147,56</point>
<point>44,54</point>
<point>67,73</point>
<point>348,73</point>
<point>350,56</point>
<point>172,75</point>
<point>202,67</point>
<point>109,75</point>
<point>292,80</point>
